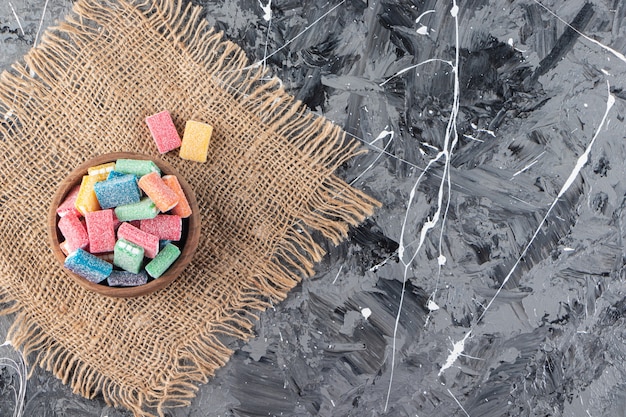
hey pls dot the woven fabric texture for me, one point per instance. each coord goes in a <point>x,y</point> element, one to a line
<point>268,184</point>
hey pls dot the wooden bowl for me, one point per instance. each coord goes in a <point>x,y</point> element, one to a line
<point>188,241</point>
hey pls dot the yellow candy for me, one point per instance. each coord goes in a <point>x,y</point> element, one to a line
<point>86,200</point>
<point>101,171</point>
<point>196,138</point>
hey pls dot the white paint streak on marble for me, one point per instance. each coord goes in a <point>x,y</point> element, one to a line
<point>17,19</point>
<point>450,141</point>
<point>617,54</point>
<point>383,134</point>
<point>580,163</point>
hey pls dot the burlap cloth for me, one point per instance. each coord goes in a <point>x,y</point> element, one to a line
<point>269,183</point>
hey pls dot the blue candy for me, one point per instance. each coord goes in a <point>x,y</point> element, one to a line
<point>117,191</point>
<point>88,266</point>
<point>115,174</point>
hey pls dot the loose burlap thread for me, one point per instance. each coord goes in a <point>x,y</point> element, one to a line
<point>269,183</point>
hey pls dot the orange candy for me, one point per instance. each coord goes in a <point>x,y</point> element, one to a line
<point>163,197</point>
<point>182,209</point>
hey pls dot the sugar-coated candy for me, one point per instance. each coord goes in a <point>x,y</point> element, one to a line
<point>163,226</point>
<point>127,279</point>
<point>157,267</point>
<point>138,167</point>
<point>115,174</point>
<point>101,231</point>
<point>117,191</point>
<point>149,242</point>
<point>182,209</point>
<point>127,256</point>
<point>163,131</point>
<point>101,171</point>
<point>74,232</point>
<point>86,199</point>
<point>88,266</point>
<point>164,198</point>
<point>69,203</point>
<point>144,209</point>
<point>195,144</point>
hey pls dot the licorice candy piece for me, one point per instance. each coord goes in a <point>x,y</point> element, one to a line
<point>106,256</point>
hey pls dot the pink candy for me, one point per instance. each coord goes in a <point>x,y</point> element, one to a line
<point>164,226</point>
<point>101,230</point>
<point>75,234</point>
<point>68,205</point>
<point>149,242</point>
<point>163,131</point>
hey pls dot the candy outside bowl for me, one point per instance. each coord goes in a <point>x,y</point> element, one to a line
<point>187,244</point>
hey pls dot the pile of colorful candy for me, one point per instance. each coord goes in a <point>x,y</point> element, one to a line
<point>120,222</point>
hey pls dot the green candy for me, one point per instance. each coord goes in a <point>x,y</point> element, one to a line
<point>138,167</point>
<point>144,209</point>
<point>164,259</point>
<point>128,256</point>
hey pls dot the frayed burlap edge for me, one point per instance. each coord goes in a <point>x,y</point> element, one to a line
<point>334,207</point>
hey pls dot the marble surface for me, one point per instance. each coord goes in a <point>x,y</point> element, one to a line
<point>492,280</point>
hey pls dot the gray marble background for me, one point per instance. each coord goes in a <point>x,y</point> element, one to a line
<point>533,279</point>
